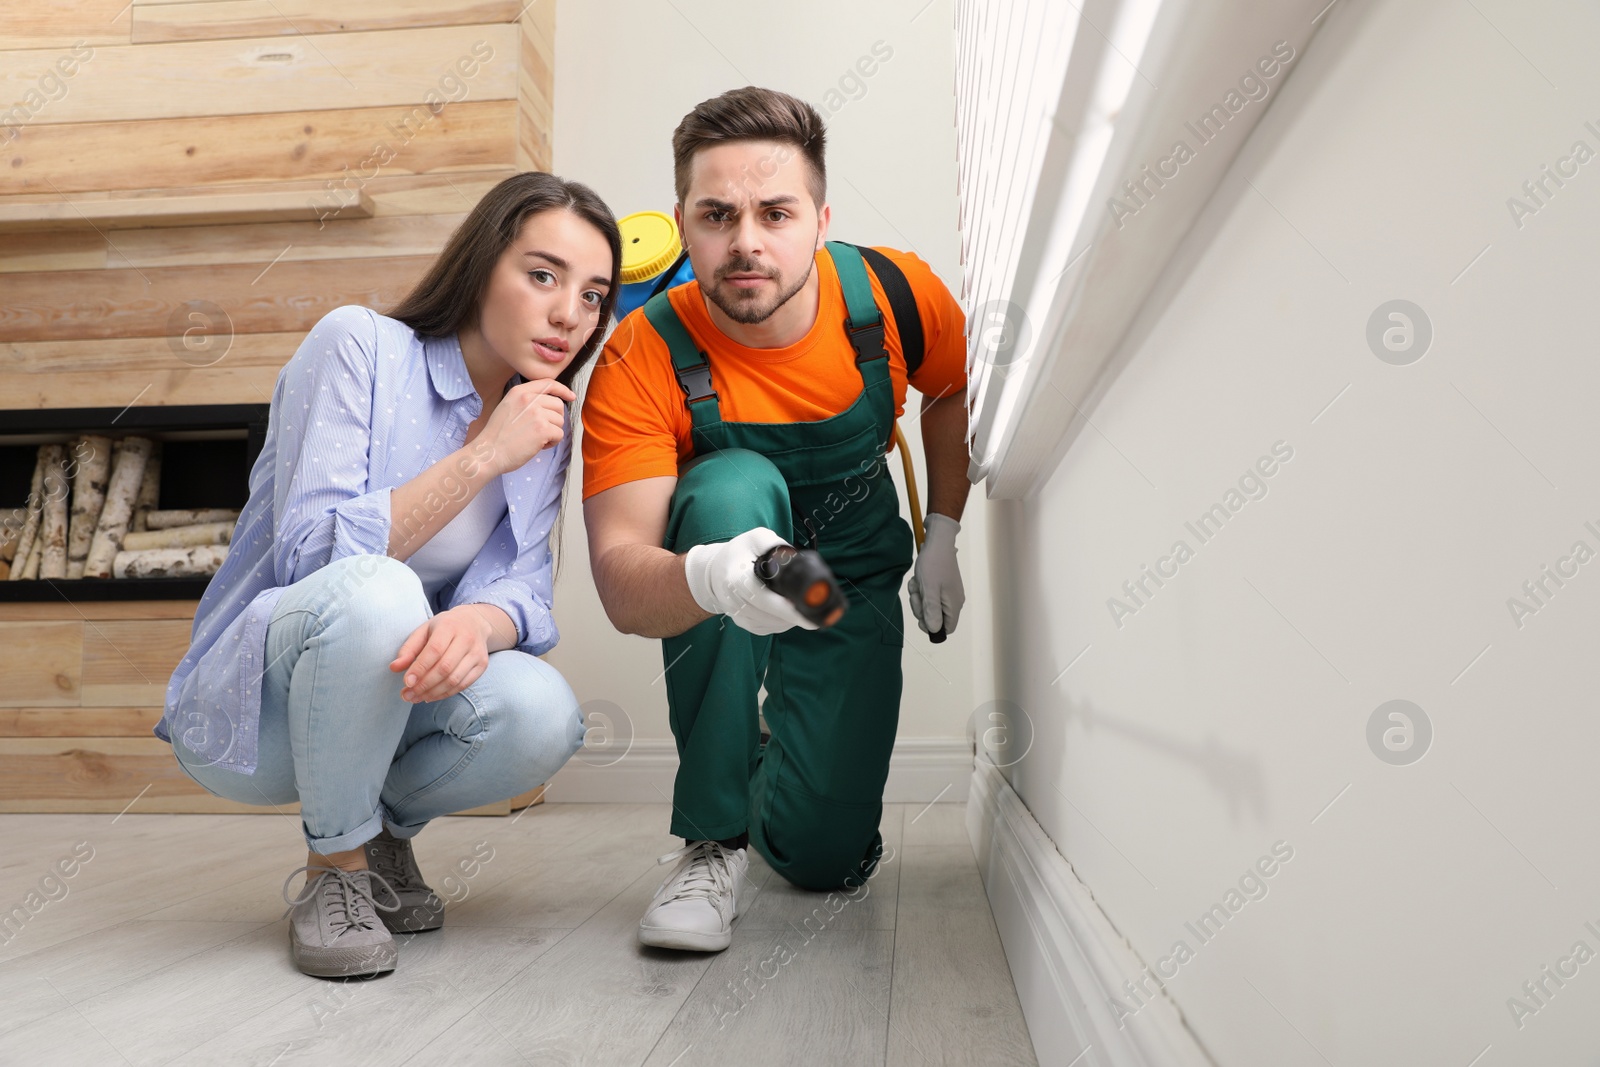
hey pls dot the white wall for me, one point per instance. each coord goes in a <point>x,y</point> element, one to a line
<point>1232,709</point>
<point>626,73</point>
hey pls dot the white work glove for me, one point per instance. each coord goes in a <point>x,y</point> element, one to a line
<point>722,578</point>
<point>935,587</point>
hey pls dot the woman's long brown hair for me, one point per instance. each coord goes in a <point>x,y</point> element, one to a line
<point>450,296</point>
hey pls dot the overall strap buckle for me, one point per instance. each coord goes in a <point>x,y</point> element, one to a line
<point>863,321</point>
<point>696,381</point>
<point>866,340</point>
<point>689,361</point>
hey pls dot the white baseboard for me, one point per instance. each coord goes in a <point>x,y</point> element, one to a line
<point>920,769</point>
<point>1067,959</point>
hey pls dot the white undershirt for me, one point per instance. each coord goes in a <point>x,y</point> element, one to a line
<point>445,557</point>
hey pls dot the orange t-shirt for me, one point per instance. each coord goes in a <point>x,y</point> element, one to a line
<point>635,421</point>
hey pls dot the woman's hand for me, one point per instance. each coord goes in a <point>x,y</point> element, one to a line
<point>528,419</point>
<point>444,655</point>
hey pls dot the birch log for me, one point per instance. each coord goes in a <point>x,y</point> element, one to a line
<point>88,497</point>
<point>127,472</point>
<point>169,562</point>
<point>30,525</point>
<point>31,570</point>
<point>11,521</point>
<point>205,533</point>
<point>149,488</point>
<point>53,527</point>
<point>166,520</point>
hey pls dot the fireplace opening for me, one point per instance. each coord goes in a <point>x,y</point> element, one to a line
<point>157,530</point>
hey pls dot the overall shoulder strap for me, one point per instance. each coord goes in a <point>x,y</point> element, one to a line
<point>863,321</point>
<point>902,305</point>
<point>864,324</point>
<point>689,362</point>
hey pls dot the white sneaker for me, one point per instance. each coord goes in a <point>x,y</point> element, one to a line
<point>695,907</point>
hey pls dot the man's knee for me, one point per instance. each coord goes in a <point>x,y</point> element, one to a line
<point>824,852</point>
<point>845,868</point>
<point>721,494</point>
<point>749,466</point>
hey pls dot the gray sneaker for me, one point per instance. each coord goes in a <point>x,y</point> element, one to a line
<point>334,930</point>
<point>420,907</point>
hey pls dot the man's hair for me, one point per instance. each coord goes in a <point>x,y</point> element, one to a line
<point>751,114</point>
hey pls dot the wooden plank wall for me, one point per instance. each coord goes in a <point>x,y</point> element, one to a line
<point>420,106</point>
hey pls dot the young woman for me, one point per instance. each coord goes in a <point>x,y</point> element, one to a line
<point>369,647</point>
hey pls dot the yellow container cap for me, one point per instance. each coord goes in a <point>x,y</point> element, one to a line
<point>649,245</point>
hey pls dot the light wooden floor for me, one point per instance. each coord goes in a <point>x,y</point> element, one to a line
<point>167,947</point>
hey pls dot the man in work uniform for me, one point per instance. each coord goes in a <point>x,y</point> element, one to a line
<point>753,407</point>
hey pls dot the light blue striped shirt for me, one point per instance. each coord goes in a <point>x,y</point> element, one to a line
<point>364,405</point>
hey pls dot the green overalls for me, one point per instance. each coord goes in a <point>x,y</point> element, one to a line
<point>812,797</point>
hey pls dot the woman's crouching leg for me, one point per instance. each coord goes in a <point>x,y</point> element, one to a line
<point>331,711</point>
<point>505,734</point>
<point>272,784</point>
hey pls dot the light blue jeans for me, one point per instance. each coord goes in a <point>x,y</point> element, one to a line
<point>336,735</point>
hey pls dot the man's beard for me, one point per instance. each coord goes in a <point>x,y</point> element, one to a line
<point>741,305</point>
